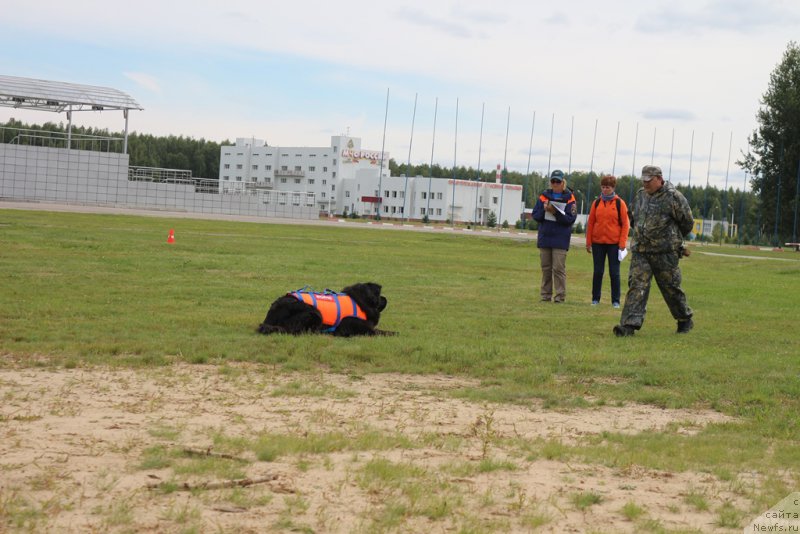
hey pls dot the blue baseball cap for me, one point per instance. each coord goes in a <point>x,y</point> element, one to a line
<point>557,176</point>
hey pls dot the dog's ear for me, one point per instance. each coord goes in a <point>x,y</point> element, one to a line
<point>382,304</point>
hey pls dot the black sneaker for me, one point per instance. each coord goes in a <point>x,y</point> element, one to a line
<point>621,330</point>
<point>685,326</point>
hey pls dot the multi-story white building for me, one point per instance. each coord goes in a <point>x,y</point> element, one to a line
<point>253,167</point>
<point>345,179</point>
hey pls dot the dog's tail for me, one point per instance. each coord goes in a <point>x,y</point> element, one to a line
<point>267,329</point>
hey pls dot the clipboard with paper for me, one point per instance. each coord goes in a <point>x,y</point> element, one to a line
<point>560,206</point>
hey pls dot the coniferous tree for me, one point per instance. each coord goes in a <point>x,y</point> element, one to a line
<point>774,158</point>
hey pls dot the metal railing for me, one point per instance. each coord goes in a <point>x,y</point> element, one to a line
<point>48,139</point>
<point>173,176</point>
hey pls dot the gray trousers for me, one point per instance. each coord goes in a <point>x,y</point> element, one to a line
<point>554,274</point>
<point>664,268</point>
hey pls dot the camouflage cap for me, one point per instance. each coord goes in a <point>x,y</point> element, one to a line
<point>649,172</point>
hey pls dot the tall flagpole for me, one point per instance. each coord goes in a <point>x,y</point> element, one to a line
<point>616,144</point>
<point>633,174</point>
<point>455,152</point>
<point>478,173</point>
<point>503,176</point>
<point>383,146</point>
<point>430,169</point>
<point>708,176</point>
<point>671,151</point>
<point>528,169</point>
<point>725,195</point>
<point>591,169</point>
<point>653,153</point>
<point>408,165</point>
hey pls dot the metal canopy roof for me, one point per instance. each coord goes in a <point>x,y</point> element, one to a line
<point>29,93</point>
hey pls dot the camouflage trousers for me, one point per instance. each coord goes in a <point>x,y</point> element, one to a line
<point>664,268</point>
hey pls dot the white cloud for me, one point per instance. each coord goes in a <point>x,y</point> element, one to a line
<point>143,80</point>
<point>277,70</point>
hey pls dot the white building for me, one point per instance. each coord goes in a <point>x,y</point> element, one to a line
<point>252,166</point>
<point>345,179</point>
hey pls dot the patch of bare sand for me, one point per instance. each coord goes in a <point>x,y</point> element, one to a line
<point>72,444</point>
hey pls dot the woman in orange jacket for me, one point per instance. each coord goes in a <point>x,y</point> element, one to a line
<point>607,236</point>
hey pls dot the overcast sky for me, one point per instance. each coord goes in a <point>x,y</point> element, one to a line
<point>296,72</point>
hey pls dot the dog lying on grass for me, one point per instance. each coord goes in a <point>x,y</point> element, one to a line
<point>354,311</point>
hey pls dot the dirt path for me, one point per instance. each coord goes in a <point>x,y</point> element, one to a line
<point>102,450</point>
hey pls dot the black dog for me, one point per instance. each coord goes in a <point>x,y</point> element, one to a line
<point>355,311</point>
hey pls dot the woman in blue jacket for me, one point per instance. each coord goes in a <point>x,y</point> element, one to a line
<point>555,211</point>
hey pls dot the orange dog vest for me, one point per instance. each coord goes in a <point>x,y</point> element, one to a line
<point>333,306</point>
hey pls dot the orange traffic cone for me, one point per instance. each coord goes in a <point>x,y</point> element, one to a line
<point>171,238</point>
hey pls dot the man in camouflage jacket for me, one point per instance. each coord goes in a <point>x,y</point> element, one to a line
<point>661,220</point>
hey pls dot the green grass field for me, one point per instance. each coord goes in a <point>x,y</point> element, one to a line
<point>84,289</point>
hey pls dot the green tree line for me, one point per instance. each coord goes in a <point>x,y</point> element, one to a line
<point>743,209</point>
<point>145,150</point>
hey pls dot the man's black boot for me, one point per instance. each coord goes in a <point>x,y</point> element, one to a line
<point>622,330</point>
<point>685,326</point>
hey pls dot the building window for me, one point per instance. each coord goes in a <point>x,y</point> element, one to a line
<point>438,196</point>
<point>394,209</point>
<point>268,167</point>
<point>227,166</point>
<point>424,195</point>
<point>312,169</point>
<point>226,177</point>
<point>394,194</point>
<point>298,168</point>
<point>347,194</point>
<point>324,169</point>
<point>298,155</point>
<point>284,168</point>
<point>334,174</point>
<point>334,162</point>
<point>297,180</point>
<point>402,194</point>
<point>227,153</point>
<point>323,195</point>
<point>238,178</point>
<point>312,155</point>
<point>285,155</point>
<point>239,166</point>
<point>333,187</point>
<point>438,211</point>
<point>283,180</point>
<point>255,167</point>
<point>422,211</point>
<point>310,181</point>
<point>253,180</point>
<point>386,193</point>
<point>386,209</point>
<point>267,180</point>
<point>324,182</point>
<point>494,200</point>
